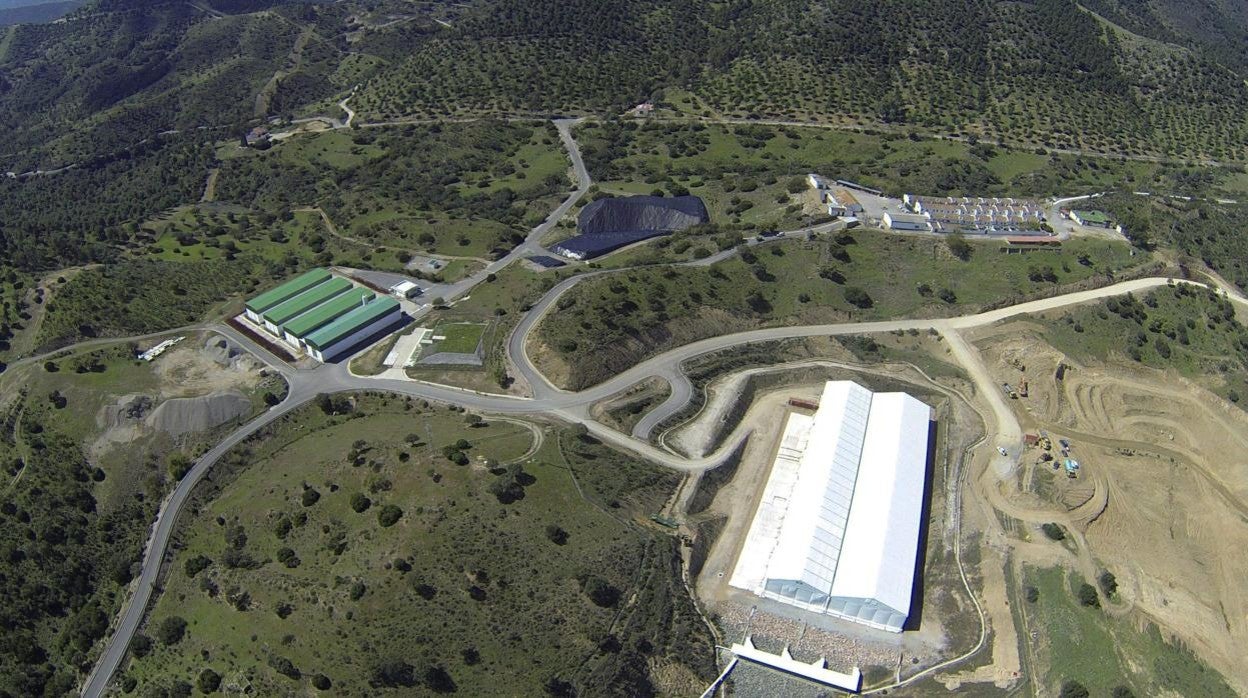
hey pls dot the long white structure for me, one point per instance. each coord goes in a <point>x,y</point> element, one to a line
<point>837,530</point>
<point>815,671</point>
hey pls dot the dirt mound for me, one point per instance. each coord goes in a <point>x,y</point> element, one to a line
<point>222,350</point>
<point>127,410</point>
<point>215,365</point>
<point>180,416</point>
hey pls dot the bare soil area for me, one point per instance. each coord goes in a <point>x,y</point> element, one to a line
<point>200,366</point>
<point>1162,492</point>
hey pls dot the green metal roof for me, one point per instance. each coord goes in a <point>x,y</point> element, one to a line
<point>306,301</point>
<point>1092,216</point>
<point>288,290</point>
<point>326,313</point>
<point>351,322</point>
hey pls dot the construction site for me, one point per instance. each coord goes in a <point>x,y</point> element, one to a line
<point>1131,464</point>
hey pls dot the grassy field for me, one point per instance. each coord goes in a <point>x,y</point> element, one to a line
<point>621,318</point>
<point>463,590</point>
<point>1182,328</point>
<point>460,337</point>
<point>1100,652</point>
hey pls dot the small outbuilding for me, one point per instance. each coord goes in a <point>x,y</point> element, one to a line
<point>406,290</point>
<point>906,221</point>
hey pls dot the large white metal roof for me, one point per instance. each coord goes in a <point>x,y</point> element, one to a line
<point>842,510</point>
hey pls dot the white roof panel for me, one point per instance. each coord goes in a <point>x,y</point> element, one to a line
<point>882,535</point>
<point>842,509</point>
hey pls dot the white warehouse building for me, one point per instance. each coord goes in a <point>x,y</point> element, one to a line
<point>838,528</point>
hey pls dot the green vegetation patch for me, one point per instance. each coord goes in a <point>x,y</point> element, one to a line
<point>1181,327</point>
<point>74,514</point>
<point>457,189</point>
<point>338,547</point>
<point>1081,643</point>
<point>460,337</point>
<point>138,297</point>
<point>621,318</point>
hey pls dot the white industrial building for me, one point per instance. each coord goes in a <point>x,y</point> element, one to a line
<point>906,221</point>
<point>838,527</point>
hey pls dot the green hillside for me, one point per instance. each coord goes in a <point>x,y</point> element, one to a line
<point>1046,73</point>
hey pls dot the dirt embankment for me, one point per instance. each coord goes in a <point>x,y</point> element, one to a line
<point>1164,457</point>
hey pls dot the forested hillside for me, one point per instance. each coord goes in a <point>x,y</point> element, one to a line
<point>1045,72</point>
<point>1166,79</point>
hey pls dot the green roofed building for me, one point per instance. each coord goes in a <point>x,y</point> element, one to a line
<point>279,314</point>
<point>332,340</point>
<point>285,292</point>
<point>295,330</point>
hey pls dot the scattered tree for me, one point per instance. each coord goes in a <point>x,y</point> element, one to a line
<point>208,682</point>
<point>1088,596</point>
<point>171,630</point>
<point>389,515</point>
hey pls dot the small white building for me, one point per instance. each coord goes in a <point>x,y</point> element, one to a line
<point>815,181</point>
<point>406,290</point>
<point>906,221</point>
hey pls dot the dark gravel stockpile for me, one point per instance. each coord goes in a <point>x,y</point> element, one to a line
<point>609,224</point>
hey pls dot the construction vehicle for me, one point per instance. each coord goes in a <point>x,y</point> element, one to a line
<point>1009,390</point>
<point>1022,389</point>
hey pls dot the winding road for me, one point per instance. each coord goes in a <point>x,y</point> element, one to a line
<point>547,399</point>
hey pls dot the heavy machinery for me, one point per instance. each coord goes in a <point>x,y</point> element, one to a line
<point>1022,388</point>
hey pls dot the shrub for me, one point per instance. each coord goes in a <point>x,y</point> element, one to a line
<point>1031,594</point>
<point>959,247</point>
<point>196,565</point>
<point>557,535</point>
<point>208,682</point>
<point>284,666</point>
<point>360,503</point>
<point>287,557</point>
<point>395,674</point>
<point>600,592</point>
<point>438,680</point>
<point>389,515</point>
<point>1088,596</point>
<point>310,497</point>
<point>321,682</point>
<point>1054,531</point>
<point>171,630</point>
<point>1108,583</point>
<point>1073,689</point>
<point>141,645</point>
